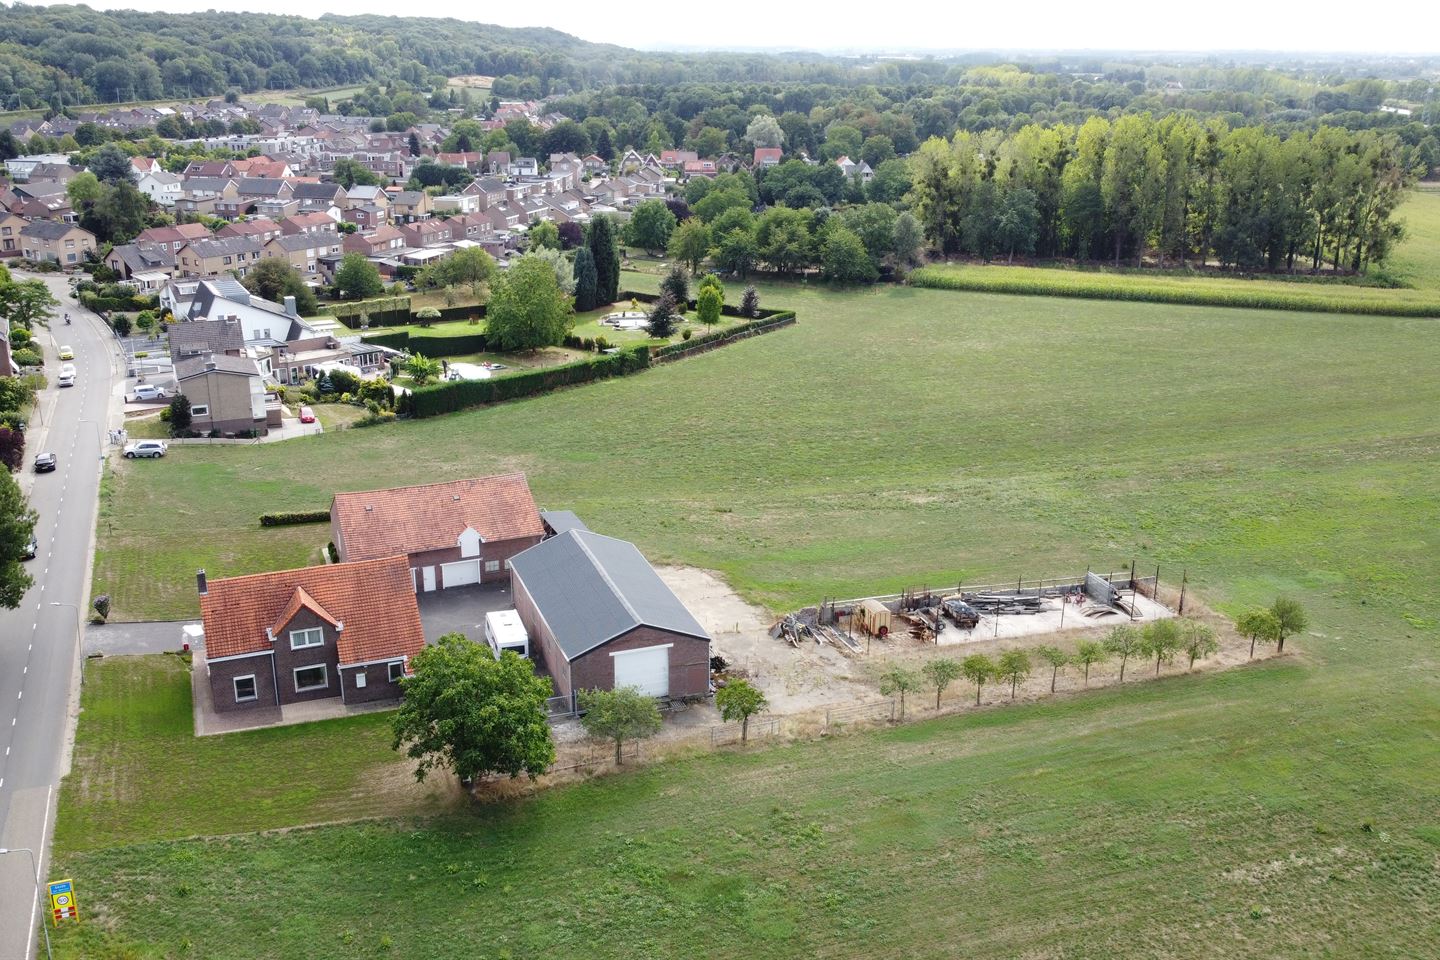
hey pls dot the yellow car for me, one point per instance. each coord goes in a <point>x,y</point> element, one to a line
<point>67,353</point>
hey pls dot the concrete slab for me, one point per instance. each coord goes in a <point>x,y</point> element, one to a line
<point>462,609</point>
<point>153,636</point>
<point>1054,617</point>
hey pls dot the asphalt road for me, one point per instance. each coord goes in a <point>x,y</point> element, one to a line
<point>39,639</point>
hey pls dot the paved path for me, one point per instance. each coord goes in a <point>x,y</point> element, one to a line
<point>39,639</point>
<point>115,639</point>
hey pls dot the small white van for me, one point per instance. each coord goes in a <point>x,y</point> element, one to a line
<point>504,631</point>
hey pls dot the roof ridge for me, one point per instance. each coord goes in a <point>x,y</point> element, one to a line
<point>433,483</point>
<point>605,574</point>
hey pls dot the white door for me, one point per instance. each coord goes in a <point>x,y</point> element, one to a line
<point>646,669</point>
<point>427,574</point>
<point>459,574</point>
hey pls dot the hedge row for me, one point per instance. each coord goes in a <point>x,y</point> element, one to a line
<point>382,312</point>
<point>97,303</point>
<point>294,517</point>
<point>429,344</point>
<point>1111,287</point>
<point>773,321</point>
<point>462,394</point>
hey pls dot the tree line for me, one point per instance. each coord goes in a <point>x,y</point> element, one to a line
<point>1185,189</point>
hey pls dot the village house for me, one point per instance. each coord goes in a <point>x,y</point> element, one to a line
<point>452,534</point>
<point>172,238</point>
<point>382,242</point>
<point>304,250</point>
<point>10,227</point>
<point>62,243</point>
<point>409,205</point>
<point>262,229</point>
<point>345,631</point>
<point>162,187</point>
<point>226,393</point>
<point>212,258</point>
<point>313,222</point>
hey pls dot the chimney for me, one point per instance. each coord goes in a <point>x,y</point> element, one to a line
<point>290,307</point>
<point>210,364</point>
<point>200,582</point>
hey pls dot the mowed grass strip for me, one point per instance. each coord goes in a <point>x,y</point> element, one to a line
<point>1159,819</point>
<point>140,771</point>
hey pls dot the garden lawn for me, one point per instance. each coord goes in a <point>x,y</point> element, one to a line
<point>892,437</point>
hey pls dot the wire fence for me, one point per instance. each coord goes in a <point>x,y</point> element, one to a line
<point>760,728</point>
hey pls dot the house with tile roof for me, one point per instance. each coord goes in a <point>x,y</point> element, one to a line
<point>453,533</point>
<point>343,631</point>
<point>62,243</point>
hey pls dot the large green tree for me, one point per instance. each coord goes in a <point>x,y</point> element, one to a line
<point>274,279</point>
<point>605,248</point>
<point>17,525</point>
<point>843,257</point>
<point>690,243</point>
<point>468,712</point>
<point>358,278</point>
<point>585,280</point>
<point>650,226</point>
<point>527,308</point>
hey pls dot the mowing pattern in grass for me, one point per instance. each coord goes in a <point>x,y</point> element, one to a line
<point>897,436</point>
<point>900,436</point>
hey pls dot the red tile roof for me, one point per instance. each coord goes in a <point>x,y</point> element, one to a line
<point>374,599</point>
<point>380,523</point>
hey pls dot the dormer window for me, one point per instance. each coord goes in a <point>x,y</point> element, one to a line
<point>313,637</point>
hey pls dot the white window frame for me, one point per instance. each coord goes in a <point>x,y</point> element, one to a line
<point>295,635</point>
<point>391,669</point>
<point>360,679</point>
<point>254,688</point>
<point>492,566</point>
<point>295,677</point>
<point>200,410</point>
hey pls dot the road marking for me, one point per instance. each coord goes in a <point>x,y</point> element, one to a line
<point>35,902</point>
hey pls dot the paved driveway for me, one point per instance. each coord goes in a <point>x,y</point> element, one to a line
<point>462,609</point>
<point>154,636</point>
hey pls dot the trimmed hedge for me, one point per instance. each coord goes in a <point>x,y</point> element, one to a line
<point>1090,286</point>
<point>773,321</point>
<point>429,345</point>
<point>457,313</point>
<point>384,312</point>
<point>463,394</point>
<point>294,517</point>
<point>97,303</point>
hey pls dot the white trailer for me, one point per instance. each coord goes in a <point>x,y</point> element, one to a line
<point>504,631</point>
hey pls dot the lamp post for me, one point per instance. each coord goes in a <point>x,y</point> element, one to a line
<point>79,651</point>
<point>35,866</point>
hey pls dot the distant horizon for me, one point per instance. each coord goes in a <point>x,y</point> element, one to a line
<point>1128,27</point>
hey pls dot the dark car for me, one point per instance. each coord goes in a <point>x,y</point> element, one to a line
<point>31,548</point>
<point>45,462</point>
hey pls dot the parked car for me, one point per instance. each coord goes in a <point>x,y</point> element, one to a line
<point>307,415</point>
<point>44,462</point>
<point>145,448</point>
<point>67,352</point>
<point>148,391</point>
<point>31,548</point>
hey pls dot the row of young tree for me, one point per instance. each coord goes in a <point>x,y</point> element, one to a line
<point>1181,188</point>
<point>1160,641</point>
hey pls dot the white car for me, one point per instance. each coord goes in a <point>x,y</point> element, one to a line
<point>145,448</point>
<point>148,391</point>
<point>67,375</point>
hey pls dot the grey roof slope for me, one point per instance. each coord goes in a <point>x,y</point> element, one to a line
<point>562,521</point>
<point>591,588</point>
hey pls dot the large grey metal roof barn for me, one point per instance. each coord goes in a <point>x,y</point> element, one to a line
<point>589,589</point>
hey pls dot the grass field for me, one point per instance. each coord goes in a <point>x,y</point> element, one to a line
<point>892,437</point>
<point>1417,259</point>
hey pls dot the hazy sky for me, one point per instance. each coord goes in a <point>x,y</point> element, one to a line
<point>1398,26</point>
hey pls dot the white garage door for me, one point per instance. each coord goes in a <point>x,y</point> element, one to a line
<point>459,574</point>
<point>646,669</point>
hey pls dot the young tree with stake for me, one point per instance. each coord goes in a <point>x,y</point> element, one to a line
<point>1014,666</point>
<point>1258,625</point>
<point>1057,660</point>
<point>977,668</point>
<point>1197,640</point>
<point>739,700</point>
<point>1160,639</point>
<point>941,672</point>
<point>619,715</point>
<point>1088,653</point>
<point>1291,618</point>
<point>899,680</point>
<point>1124,642</point>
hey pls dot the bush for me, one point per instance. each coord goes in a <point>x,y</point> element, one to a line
<point>376,418</point>
<point>27,357</point>
<point>1200,292</point>
<point>462,394</point>
<point>343,381</point>
<point>294,517</point>
<point>333,553</point>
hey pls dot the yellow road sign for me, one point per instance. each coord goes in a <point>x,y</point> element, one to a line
<point>63,904</point>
